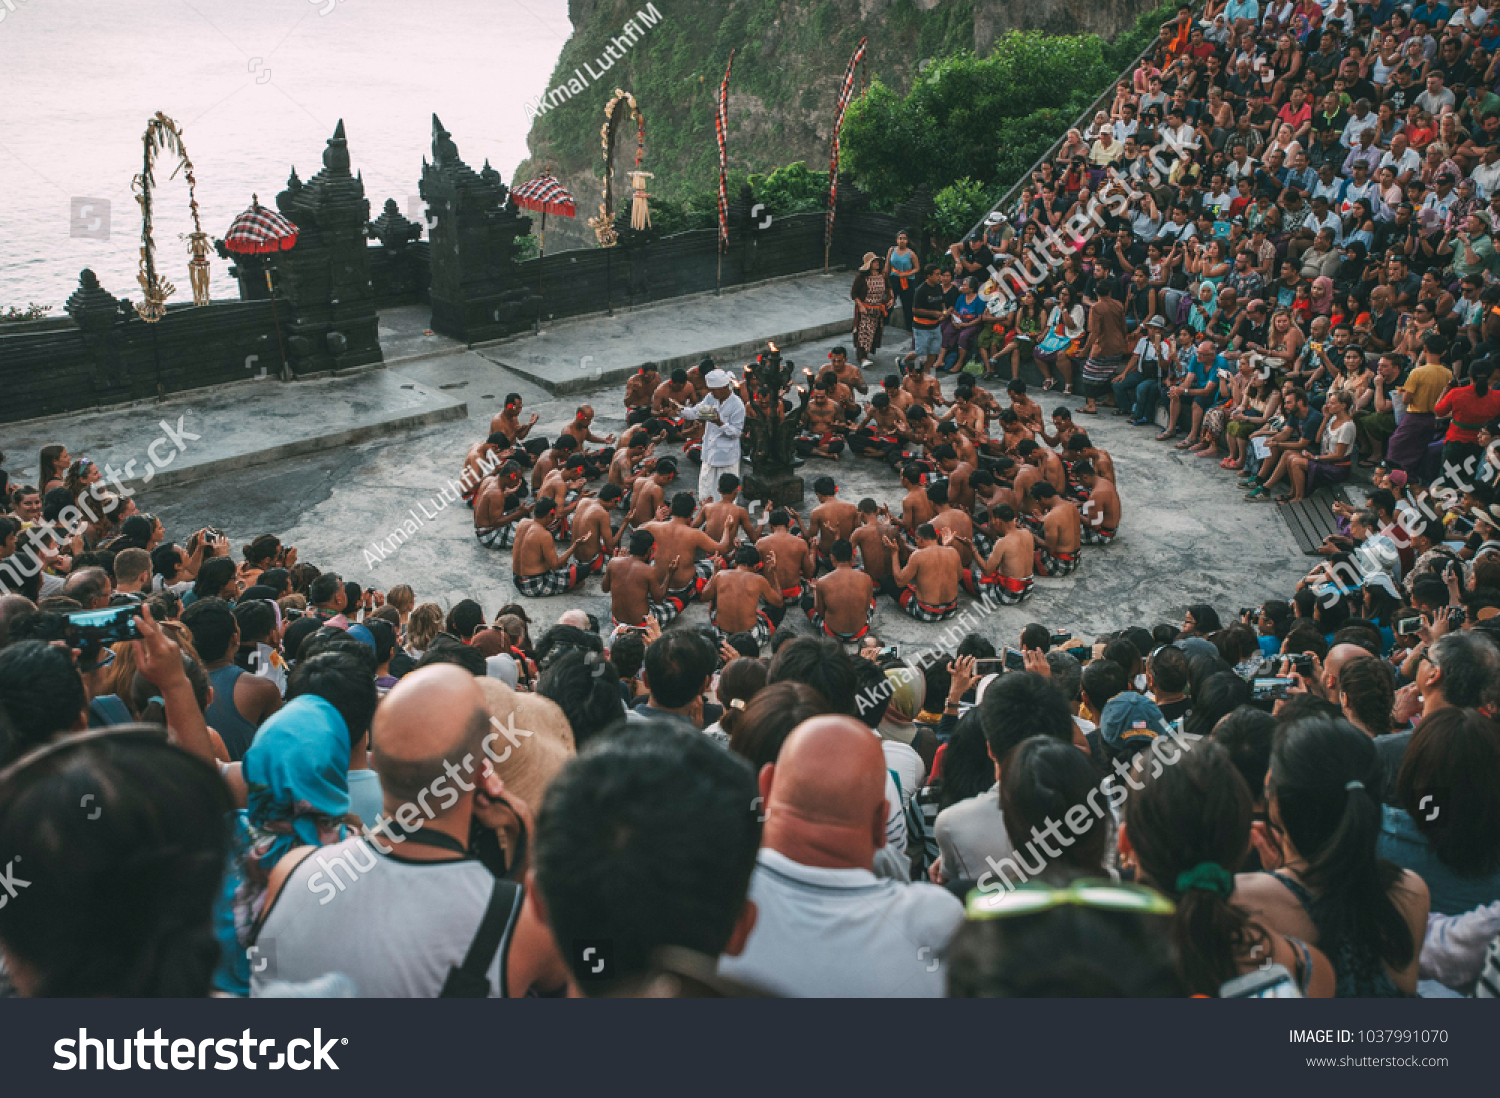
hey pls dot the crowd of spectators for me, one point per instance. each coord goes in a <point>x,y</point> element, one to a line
<point>1295,205</point>
<point>280,756</point>
<point>254,777</point>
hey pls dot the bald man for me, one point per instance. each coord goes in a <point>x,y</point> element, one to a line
<point>826,925</point>
<point>1338,655</point>
<point>412,885</point>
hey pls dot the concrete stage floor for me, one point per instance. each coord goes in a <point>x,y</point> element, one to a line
<point>383,444</point>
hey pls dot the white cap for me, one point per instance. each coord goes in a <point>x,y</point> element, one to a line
<point>718,379</point>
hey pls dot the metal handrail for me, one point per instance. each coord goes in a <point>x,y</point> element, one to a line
<point>1087,113</point>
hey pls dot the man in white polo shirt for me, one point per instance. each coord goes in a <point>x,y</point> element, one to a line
<point>723,416</point>
<point>826,925</point>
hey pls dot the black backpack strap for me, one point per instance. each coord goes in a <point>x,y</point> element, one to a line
<point>471,979</point>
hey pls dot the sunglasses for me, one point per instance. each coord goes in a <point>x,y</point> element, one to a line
<point>1099,894</point>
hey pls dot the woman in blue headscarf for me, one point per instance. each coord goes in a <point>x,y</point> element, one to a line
<point>297,774</point>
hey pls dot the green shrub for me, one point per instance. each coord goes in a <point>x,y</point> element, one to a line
<point>957,207</point>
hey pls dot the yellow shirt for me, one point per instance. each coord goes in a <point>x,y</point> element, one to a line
<point>1424,386</point>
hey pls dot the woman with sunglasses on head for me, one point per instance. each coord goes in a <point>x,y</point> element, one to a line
<point>1186,832</point>
<point>1333,891</point>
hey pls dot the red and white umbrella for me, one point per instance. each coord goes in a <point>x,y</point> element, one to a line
<point>544,195</point>
<point>259,231</point>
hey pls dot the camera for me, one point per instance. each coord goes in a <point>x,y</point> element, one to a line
<point>1272,688</point>
<point>90,630</point>
<point>1302,662</point>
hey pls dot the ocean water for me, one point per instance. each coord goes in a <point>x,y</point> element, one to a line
<point>257,88</point>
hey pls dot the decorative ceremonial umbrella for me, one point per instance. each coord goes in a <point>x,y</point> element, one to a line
<point>547,195</point>
<point>259,231</point>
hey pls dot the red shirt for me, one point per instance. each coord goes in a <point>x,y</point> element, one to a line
<point>1469,412</point>
<point>1296,118</point>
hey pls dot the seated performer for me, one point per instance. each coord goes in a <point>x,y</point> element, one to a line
<point>929,578</point>
<point>843,600</point>
<point>637,585</point>
<point>676,390</point>
<point>735,596</point>
<point>507,422</point>
<point>726,513</point>
<point>538,570</point>
<point>830,520</point>
<point>639,390</point>
<point>647,494</point>
<point>1005,576</point>
<point>822,424</point>
<point>592,528</point>
<point>881,433</point>
<point>580,430</point>
<point>1062,532</point>
<point>793,562</point>
<point>1101,511</point>
<point>878,562</point>
<point>498,507</point>
<point>483,459</point>
<point>677,539</point>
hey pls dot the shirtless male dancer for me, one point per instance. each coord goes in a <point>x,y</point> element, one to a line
<point>497,507</point>
<point>735,596</point>
<point>538,569</point>
<point>647,493</point>
<point>508,423</point>
<point>822,425</point>
<point>566,487</point>
<point>580,429</point>
<point>637,585</point>
<point>844,599</point>
<point>831,519</point>
<point>1062,532</point>
<point>916,508</point>
<point>929,578</point>
<point>1028,411</point>
<point>958,525</point>
<point>1081,448</point>
<point>883,430</point>
<point>726,513</point>
<point>793,562</point>
<point>639,390</point>
<point>1005,576</point>
<point>676,390</point>
<point>878,562</point>
<point>482,459</point>
<point>678,540</point>
<point>1101,511</point>
<point>592,529</point>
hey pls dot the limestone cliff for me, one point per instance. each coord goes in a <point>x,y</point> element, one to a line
<point>790,56</point>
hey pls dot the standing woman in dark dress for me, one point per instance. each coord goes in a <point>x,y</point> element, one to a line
<point>872,302</point>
